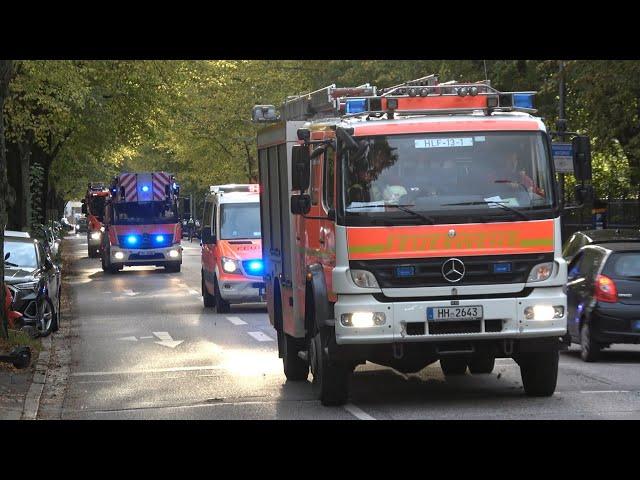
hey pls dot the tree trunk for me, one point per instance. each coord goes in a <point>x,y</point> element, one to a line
<point>6,73</point>
<point>25,205</point>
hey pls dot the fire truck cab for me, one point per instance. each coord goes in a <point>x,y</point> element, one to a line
<point>231,247</point>
<point>413,225</point>
<point>141,222</point>
<point>93,206</point>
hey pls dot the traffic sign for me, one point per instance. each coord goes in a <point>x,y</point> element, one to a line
<point>562,157</point>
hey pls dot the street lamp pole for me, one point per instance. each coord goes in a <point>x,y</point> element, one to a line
<point>561,124</point>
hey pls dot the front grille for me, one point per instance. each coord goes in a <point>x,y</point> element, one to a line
<point>415,328</point>
<point>479,270</point>
<point>146,240</point>
<point>137,256</point>
<point>457,326</point>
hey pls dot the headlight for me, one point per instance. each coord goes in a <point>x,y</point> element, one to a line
<point>363,319</point>
<point>543,312</point>
<point>540,272</point>
<point>102,229</point>
<point>27,286</point>
<point>230,265</point>
<point>118,255</point>
<point>95,235</point>
<point>364,279</point>
<point>174,253</point>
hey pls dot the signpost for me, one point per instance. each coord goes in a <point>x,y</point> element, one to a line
<point>562,157</point>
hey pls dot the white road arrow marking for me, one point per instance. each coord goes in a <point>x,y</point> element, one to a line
<point>130,339</point>
<point>166,340</point>
<point>236,320</point>
<point>261,337</point>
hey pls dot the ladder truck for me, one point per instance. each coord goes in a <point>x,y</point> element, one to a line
<point>410,225</point>
<point>142,223</point>
<point>93,206</point>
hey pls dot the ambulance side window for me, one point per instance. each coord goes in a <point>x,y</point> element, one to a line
<point>214,222</point>
<point>206,216</point>
<point>329,178</point>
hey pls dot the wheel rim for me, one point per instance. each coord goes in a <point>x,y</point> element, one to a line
<point>47,317</point>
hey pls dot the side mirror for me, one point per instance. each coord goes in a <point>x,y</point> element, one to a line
<point>84,208</point>
<point>581,146</point>
<point>300,204</point>
<point>208,238</point>
<point>300,168</point>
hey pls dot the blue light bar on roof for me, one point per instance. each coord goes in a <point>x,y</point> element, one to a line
<point>355,105</point>
<point>523,100</point>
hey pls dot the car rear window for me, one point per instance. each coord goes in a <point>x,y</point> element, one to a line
<point>625,264</point>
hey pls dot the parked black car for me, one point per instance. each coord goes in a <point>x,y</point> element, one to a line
<point>589,237</point>
<point>34,282</point>
<point>603,297</point>
<point>83,226</point>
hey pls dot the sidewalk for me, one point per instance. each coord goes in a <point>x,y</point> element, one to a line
<point>14,385</point>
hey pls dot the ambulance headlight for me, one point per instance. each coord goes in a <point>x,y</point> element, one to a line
<point>364,279</point>
<point>118,255</point>
<point>540,272</point>
<point>363,319</point>
<point>544,312</point>
<point>230,265</point>
<point>95,235</point>
<point>174,253</point>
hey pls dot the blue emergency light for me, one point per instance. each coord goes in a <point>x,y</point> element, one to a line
<point>254,267</point>
<point>132,239</point>
<point>355,105</point>
<point>523,100</point>
<point>160,238</point>
<point>145,188</point>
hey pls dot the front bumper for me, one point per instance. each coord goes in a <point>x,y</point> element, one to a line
<point>243,291</point>
<point>406,321</point>
<point>145,256</point>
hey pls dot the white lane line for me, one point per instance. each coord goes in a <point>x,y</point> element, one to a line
<point>150,336</point>
<point>357,412</point>
<point>151,370</point>
<point>129,293</point>
<point>605,391</point>
<point>236,320</point>
<point>129,339</point>
<point>194,292</point>
<point>261,337</point>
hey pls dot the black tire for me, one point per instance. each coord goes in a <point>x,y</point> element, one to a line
<point>114,268</point>
<point>56,325</point>
<point>221,305</point>
<point>103,262</point>
<point>330,380</point>
<point>453,365</point>
<point>295,368</point>
<point>482,364</point>
<point>539,372</point>
<point>209,300</point>
<point>44,324</point>
<point>173,268</point>
<point>590,349</point>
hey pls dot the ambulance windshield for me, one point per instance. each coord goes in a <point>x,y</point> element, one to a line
<point>449,174</point>
<point>239,220</point>
<point>134,213</point>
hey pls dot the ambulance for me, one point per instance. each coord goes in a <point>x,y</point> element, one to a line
<point>93,206</point>
<point>413,225</point>
<point>231,242</point>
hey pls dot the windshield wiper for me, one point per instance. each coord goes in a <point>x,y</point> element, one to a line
<point>404,208</point>
<point>499,203</point>
<point>11,264</point>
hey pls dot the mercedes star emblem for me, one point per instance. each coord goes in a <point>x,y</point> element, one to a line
<point>452,233</point>
<point>453,270</point>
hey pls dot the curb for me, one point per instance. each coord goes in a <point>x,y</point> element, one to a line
<point>32,400</point>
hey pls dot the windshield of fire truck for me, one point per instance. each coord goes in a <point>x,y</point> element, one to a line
<point>239,220</point>
<point>96,206</point>
<point>133,213</point>
<point>449,175</point>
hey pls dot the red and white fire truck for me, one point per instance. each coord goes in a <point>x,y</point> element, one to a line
<point>231,247</point>
<point>424,226</point>
<point>93,207</point>
<point>142,223</point>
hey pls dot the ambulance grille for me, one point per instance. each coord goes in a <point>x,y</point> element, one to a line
<point>427,272</point>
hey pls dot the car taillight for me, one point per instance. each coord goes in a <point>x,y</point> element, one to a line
<point>606,290</point>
